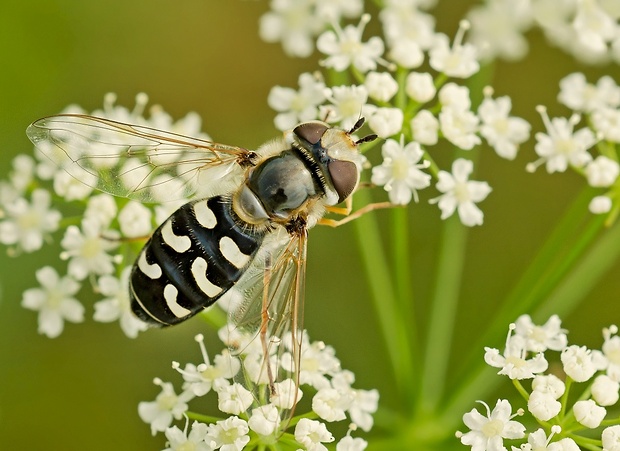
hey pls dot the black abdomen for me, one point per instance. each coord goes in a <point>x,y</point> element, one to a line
<point>191,260</point>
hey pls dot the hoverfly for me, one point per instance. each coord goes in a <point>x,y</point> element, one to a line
<point>244,224</point>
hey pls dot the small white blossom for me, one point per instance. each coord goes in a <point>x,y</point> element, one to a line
<point>602,171</point>
<point>460,193</point>
<point>287,394</point>
<point>514,362</point>
<point>611,438</point>
<point>425,128</point>
<point>489,432</point>
<point>420,86</point>
<point>600,205</point>
<point>265,419</point>
<point>460,127</point>
<point>579,95</point>
<point>455,96</point>
<point>293,106</point>
<point>593,27</point>
<point>349,443</point>
<point>386,122</point>
<point>588,413</point>
<point>166,407</point>
<point>135,220</point>
<point>312,434</point>
<point>581,363</point>
<point>88,249</point>
<point>611,350</point>
<point>116,305</point>
<point>344,47</point>
<point>543,405</point>
<point>67,186</point>
<point>26,224</point>
<point>347,104</point>
<point>460,60</point>
<point>292,23</point>
<point>101,208</point>
<point>606,122</point>
<point>549,384</point>
<point>605,390</point>
<point>401,171</point>
<point>539,441</point>
<point>381,86</point>
<point>560,146</point>
<point>540,338</point>
<point>330,404</point>
<point>179,440</point>
<point>233,398</point>
<point>502,132</point>
<point>54,301</point>
<point>230,434</point>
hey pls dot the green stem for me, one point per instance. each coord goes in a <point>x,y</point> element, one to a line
<point>394,326</point>
<point>402,265</point>
<point>443,313</point>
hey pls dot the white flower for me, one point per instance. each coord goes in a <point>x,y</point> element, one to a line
<point>605,390</point>
<point>502,132</point>
<point>588,413</point>
<point>312,434</point>
<point>579,95</point>
<point>581,363</point>
<point>543,405</point>
<point>602,171</point>
<point>166,407</point>
<point>386,122</point>
<point>293,106</point>
<point>611,350</point>
<point>345,47</point>
<point>287,394</point>
<point>348,104</point>
<point>460,127</point>
<point>67,186</point>
<point>135,220</point>
<point>497,28</point>
<point>593,27</point>
<point>88,249</point>
<point>334,10</point>
<point>489,432</point>
<point>461,193</point>
<point>349,443</point>
<point>116,306</point>
<point>230,434</point>
<point>560,147</point>
<point>549,384</point>
<point>330,404</point>
<point>23,172</point>
<point>425,127</point>
<point>611,438</point>
<point>28,223</point>
<point>101,208</point>
<point>293,23</point>
<point>381,86</point>
<point>460,60</point>
<point>600,205</point>
<point>400,173</point>
<point>317,362</point>
<point>233,398</point>
<point>364,404</point>
<point>538,440</point>
<point>178,440</point>
<point>455,96</point>
<point>513,362</point>
<point>54,301</point>
<point>420,86</point>
<point>540,338</point>
<point>200,379</point>
<point>265,419</point>
<point>606,121</point>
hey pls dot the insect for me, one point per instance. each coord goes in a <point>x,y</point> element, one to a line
<point>244,223</point>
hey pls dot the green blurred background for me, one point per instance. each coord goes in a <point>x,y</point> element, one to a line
<point>81,390</point>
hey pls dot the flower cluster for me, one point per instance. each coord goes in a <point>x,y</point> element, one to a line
<point>256,414</point>
<point>413,111</point>
<point>586,29</point>
<point>98,234</point>
<point>567,419</point>
<point>592,149</point>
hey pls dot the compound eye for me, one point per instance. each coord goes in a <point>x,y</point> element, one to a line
<point>344,177</point>
<point>310,131</point>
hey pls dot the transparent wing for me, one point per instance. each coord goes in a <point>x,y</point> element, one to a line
<point>266,325</point>
<point>135,161</point>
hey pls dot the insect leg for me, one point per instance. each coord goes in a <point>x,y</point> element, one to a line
<point>356,214</point>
